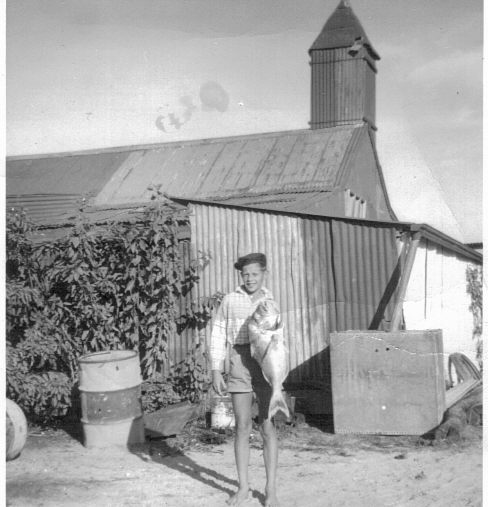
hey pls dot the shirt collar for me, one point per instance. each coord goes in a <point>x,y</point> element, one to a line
<point>263,291</point>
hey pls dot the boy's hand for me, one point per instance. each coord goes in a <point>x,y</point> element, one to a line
<point>218,383</point>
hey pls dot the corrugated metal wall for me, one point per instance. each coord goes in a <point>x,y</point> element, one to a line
<point>179,344</point>
<point>437,298</point>
<point>342,88</point>
<point>326,274</point>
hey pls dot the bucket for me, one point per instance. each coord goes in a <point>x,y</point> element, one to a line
<point>16,429</point>
<point>222,413</point>
<point>110,394</point>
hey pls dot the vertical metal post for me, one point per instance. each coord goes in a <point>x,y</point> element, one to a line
<point>397,312</point>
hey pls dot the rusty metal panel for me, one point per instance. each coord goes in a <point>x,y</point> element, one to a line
<point>387,383</point>
<point>326,274</point>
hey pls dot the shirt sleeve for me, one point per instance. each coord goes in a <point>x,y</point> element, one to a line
<point>218,338</point>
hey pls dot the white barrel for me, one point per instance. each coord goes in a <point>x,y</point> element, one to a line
<point>16,430</point>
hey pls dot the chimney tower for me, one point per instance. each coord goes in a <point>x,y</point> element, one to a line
<point>343,64</point>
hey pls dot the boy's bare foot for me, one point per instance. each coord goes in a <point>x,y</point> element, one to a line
<point>238,498</point>
<point>271,500</point>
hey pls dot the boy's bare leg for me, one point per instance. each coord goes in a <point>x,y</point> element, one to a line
<point>270,451</point>
<point>242,404</point>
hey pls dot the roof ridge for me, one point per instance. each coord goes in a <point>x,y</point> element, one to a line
<point>281,191</point>
<point>189,142</point>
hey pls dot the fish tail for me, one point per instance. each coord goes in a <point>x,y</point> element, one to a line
<point>277,403</point>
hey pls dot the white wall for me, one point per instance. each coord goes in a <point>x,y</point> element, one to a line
<point>436,298</point>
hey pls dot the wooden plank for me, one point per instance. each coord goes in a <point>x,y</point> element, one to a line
<point>460,391</point>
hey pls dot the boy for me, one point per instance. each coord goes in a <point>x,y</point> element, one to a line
<point>245,376</point>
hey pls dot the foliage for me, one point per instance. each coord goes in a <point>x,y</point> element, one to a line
<point>158,394</point>
<point>189,377</point>
<point>117,286</point>
<point>474,278</point>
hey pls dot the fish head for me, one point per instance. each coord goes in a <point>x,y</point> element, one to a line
<point>267,315</point>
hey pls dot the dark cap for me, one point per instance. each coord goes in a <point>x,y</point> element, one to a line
<point>251,258</point>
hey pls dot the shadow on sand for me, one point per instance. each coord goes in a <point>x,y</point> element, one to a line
<point>161,452</point>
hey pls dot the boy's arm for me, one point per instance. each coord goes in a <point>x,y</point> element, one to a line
<point>218,342</point>
<point>218,338</point>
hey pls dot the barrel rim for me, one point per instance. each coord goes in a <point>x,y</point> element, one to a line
<point>110,391</point>
<point>84,359</point>
<point>115,422</point>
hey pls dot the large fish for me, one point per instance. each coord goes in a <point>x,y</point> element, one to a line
<point>269,350</point>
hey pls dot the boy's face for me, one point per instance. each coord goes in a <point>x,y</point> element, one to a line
<point>253,277</point>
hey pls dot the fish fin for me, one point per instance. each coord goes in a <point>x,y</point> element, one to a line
<point>277,403</point>
<point>279,323</point>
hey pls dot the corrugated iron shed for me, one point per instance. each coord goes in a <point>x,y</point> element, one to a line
<point>298,171</point>
<point>326,274</point>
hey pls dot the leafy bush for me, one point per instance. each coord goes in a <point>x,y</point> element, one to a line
<point>158,394</point>
<point>189,377</point>
<point>120,286</point>
<point>474,278</point>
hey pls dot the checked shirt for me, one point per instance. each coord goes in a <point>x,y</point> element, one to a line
<point>230,323</point>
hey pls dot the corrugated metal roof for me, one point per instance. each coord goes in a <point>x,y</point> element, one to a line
<point>302,160</point>
<point>81,174</point>
<point>425,230</point>
<point>298,202</point>
<point>51,188</point>
<point>292,170</point>
<point>47,209</point>
<point>341,30</point>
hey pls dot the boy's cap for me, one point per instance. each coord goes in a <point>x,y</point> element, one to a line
<point>251,258</point>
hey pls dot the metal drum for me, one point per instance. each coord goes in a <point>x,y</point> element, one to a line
<point>16,429</point>
<point>110,392</point>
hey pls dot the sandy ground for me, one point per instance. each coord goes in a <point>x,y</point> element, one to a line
<point>316,469</point>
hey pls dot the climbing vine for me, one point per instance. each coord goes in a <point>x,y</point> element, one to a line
<point>474,278</point>
<point>120,285</point>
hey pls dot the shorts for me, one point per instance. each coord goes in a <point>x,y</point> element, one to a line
<point>245,376</point>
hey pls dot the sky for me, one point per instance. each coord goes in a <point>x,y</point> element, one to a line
<point>98,73</point>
